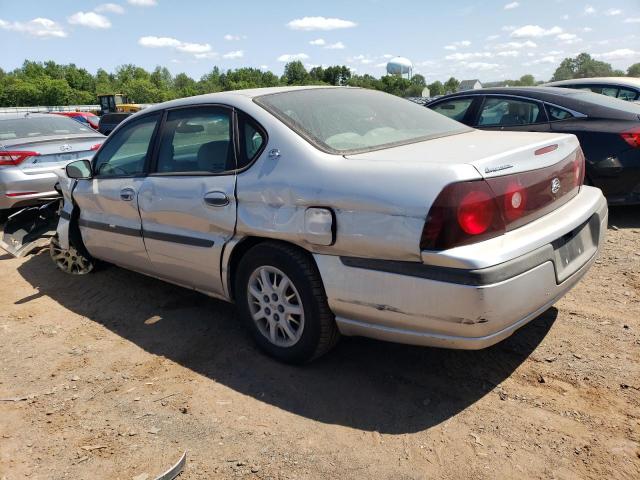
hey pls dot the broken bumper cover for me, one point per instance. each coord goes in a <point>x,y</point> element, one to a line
<point>413,303</point>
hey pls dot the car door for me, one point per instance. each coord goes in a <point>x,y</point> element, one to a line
<point>511,114</point>
<point>109,219</point>
<point>188,202</point>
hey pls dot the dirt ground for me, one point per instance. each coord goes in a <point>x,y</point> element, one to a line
<point>114,375</point>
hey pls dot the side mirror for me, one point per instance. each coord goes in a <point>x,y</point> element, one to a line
<point>80,169</point>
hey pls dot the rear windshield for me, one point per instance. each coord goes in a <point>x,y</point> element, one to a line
<point>352,120</point>
<point>606,101</point>
<point>28,127</point>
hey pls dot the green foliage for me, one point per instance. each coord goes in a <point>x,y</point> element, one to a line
<point>451,85</point>
<point>583,66</point>
<point>634,70</point>
<point>49,83</point>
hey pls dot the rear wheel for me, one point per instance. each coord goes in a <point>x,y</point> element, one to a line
<point>70,261</point>
<point>281,299</point>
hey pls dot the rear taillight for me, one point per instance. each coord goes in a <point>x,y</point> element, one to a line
<point>468,212</point>
<point>15,157</point>
<point>95,147</point>
<point>632,137</point>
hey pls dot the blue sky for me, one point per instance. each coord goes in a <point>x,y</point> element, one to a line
<point>490,40</point>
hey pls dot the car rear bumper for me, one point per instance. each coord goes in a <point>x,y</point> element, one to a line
<point>18,189</point>
<point>467,308</point>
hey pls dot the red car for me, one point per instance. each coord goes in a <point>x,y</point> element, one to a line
<point>86,118</point>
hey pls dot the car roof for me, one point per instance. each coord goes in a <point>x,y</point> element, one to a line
<point>222,96</point>
<point>534,92</point>
<point>621,81</point>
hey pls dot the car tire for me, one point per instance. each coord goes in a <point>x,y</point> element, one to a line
<point>71,261</point>
<point>281,299</point>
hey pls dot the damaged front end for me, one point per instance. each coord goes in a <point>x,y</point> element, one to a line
<point>33,227</point>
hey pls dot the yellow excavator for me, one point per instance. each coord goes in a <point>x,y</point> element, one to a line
<point>117,102</point>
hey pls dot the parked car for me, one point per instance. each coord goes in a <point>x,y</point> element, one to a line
<point>608,129</point>
<point>32,147</point>
<point>321,211</point>
<point>86,118</point>
<point>109,121</point>
<point>624,88</point>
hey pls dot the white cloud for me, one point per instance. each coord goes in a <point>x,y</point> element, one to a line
<point>466,56</point>
<point>547,59</point>
<point>230,38</point>
<point>632,20</point>
<point>387,55</point>
<point>516,45</point>
<point>290,57</point>
<point>234,54</point>
<point>110,8</point>
<point>90,20</point>
<point>38,27</point>
<point>568,38</point>
<point>535,31</point>
<point>317,41</point>
<point>622,53</point>
<point>565,17</point>
<point>587,29</point>
<point>193,47</point>
<point>509,53</point>
<point>198,50</point>
<point>482,65</point>
<point>264,67</point>
<point>508,28</point>
<point>158,42</point>
<point>336,46</point>
<point>511,6</point>
<point>589,10</point>
<point>612,12</point>
<point>493,37</point>
<point>143,3</point>
<point>319,23</point>
<point>456,45</point>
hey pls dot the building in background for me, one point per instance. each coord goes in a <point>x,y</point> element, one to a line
<point>469,85</point>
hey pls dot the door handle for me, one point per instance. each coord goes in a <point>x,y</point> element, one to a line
<point>216,199</point>
<point>127,194</point>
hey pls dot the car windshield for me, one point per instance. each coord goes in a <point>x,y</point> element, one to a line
<point>348,120</point>
<point>606,101</point>
<point>28,127</point>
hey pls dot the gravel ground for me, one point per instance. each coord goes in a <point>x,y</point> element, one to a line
<point>114,375</point>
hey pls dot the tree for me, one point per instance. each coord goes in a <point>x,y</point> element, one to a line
<point>295,73</point>
<point>634,70</point>
<point>582,66</point>
<point>436,88</point>
<point>527,81</point>
<point>451,85</point>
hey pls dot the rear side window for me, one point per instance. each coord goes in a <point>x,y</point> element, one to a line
<point>252,139</point>
<point>509,112</point>
<point>196,140</point>
<point>627,94</point>
<point>454,109</point>
<point>556,113</point>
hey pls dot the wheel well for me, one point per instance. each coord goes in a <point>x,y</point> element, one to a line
<point>243,247</point>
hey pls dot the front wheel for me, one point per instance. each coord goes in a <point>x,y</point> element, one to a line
<point>281,299</point>
<point>70,261</point>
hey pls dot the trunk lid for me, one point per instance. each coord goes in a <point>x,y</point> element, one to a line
<point>53,152</point>
<point>492,154</point>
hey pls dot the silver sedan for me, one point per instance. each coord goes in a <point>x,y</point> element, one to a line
<point>328,211</point>
<point>32,148</point>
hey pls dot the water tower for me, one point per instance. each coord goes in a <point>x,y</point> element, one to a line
<point>400,66</point>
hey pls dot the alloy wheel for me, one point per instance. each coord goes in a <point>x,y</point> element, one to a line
<point>275,306</point>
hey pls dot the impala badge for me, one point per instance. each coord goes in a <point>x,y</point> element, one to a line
<point>555,185</point>
<point>66,147</point>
